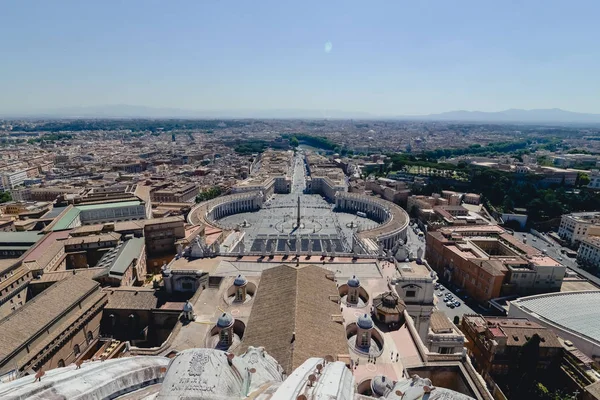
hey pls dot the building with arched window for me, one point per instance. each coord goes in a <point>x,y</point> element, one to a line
<point>70,308</point>
<point>240,284</point>
<point>225,330</point>
<point>389,308</point>
<point>365,329</point>
<point>353,290</point>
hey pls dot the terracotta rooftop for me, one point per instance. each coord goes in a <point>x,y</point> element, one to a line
<point>41,312</point>
<point>492,267</point>
<point>519,244</point>
<point>518,336</point>
<point>93,238</point>
<point>292,316</point>
<point>131,299</point>
<point>56,276</point>
<point>37,252</point>
<point>440,323</point>
<point>518,330</point>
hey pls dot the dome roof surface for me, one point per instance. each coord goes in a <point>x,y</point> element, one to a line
<point>225,320</point>
<point>365,322</point>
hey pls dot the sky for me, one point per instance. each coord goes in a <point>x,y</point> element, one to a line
<point>385,58</point>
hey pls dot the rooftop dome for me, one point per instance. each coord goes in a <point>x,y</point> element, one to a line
<point>187,307</point>
<point>389,302</point>
<point>240,280</point>
<point>381,386</point>
<point>365,322</point>
<point>353,282</point>
<point>225,320</point>
<point>390,299</point>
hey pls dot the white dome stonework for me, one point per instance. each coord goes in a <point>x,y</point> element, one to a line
<point>212,374</point>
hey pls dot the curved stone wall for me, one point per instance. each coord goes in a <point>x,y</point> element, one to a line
<point>209,212</point>
<point>392,218</point>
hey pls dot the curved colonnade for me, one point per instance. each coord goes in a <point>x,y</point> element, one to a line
<point>392,218</point>
<point>209,212</point>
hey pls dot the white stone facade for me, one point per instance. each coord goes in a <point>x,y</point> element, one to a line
<point>589,251</point>
<point>574,227</point>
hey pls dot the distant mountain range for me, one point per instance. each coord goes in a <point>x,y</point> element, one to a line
<point>553,115</point>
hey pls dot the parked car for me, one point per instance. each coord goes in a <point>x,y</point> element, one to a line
<point>457,303</point>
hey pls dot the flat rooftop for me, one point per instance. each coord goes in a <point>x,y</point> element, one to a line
<point>413,270</point>
<point>104,206</point>
<point>19,238</point>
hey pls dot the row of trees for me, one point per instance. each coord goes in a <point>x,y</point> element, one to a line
<point>51,138</point>
<point>400,161</point>
<point>507,191</point>
<point>315,141</point>
<point>208,194</point>
<point>250,147</point>
<point>135,125</point>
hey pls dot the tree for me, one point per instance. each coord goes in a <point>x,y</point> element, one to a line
<point>583,179</point>
<point>208,194</point>
<point>294,141</point>
<point>5,197</point>
<point>542,392</point>
<point>524,372</point>
<point>508,204</point>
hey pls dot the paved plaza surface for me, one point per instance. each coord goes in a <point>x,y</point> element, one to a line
<point>277,220</point>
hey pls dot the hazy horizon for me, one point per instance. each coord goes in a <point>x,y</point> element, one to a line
<point>352,57</point>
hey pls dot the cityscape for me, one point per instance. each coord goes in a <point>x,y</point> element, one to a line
<point>149,246</point>
<point>299,201</point>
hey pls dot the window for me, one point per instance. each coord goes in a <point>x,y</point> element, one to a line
<point>446,350</point>
<point>90,336</point>
<point>61,363</point>
<point>76,350</point>
<point>224,336</point>
<point>364,340</point>
<point>411,293</point>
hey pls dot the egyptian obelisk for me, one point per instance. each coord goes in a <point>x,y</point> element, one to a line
<point>298,216</point>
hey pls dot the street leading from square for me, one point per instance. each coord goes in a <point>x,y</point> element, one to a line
<point>277,220</point>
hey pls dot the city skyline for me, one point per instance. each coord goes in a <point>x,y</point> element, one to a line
<point>391,60</point>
